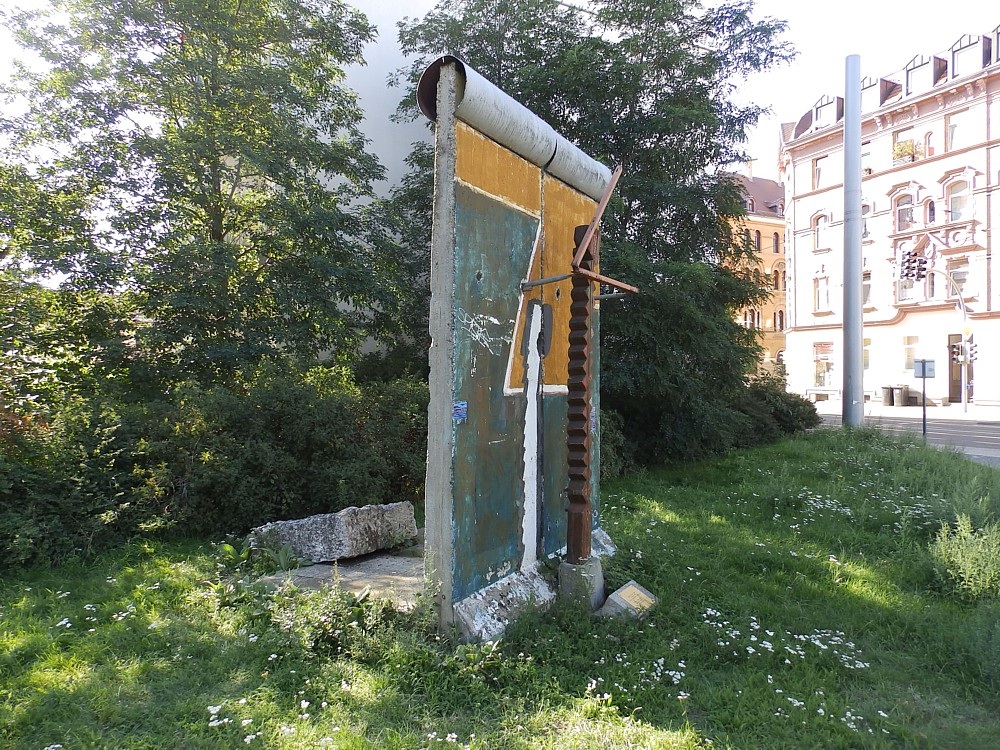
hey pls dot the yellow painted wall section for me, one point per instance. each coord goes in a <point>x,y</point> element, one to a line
<point>564,210</point>
<point>488,166</point>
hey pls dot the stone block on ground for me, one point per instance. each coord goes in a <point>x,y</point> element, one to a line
<point>631,600</point>
<point>349,533</point>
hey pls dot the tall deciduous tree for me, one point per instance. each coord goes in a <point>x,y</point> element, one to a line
<point>208,159</point>
<point>645,84</point>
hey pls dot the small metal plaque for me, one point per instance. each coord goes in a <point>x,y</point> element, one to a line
<point>635,597</point>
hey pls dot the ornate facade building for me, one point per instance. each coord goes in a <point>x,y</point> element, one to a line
<point>930,160</point>
<point>765,228</point>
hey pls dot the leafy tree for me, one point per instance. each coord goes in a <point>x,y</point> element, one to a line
<point>200,162</point>
<point>647,85</point>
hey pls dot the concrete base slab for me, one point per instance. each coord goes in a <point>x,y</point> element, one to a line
<point>486,614</point>
<point>583,582</point>
<point>630,600</point>
<point>398,576</point>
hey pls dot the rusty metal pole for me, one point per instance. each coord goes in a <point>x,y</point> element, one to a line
<point>579,522</point>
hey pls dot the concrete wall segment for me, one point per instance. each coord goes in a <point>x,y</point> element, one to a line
<point>499,116</point>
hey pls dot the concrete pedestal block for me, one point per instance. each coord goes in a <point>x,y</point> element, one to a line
<point>583,582</point>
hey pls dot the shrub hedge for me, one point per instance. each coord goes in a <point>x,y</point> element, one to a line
<point>282,444</point>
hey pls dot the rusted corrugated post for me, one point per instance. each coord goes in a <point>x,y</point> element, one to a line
<point>578,420</point>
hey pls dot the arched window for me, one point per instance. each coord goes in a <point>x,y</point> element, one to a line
<point>958,201</point>
<point>930,212</point>
<point>756,240</point>
<point>751,206</point>
<point>820,235</point>
<point>904,212</point>
<point>774,243</point>
<point>779,317</point>
<point>778,276</point>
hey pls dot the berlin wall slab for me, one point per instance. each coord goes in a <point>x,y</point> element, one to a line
<point>509,195</point>
<point>349,533</point>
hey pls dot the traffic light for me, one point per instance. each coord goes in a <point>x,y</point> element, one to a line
<point>906,268</point>
<point>972,351</point>
<point>956,352</point>
<point>920,268</point>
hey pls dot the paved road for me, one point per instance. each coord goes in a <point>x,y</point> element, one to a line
<point>979,440</point>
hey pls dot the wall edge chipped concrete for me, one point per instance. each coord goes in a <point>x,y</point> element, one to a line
<point>438,486</point>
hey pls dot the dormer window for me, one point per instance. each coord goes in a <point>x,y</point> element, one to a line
<point>969,54</point>
<point>751,206</point>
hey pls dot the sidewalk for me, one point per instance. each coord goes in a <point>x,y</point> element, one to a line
<point>875,410</point>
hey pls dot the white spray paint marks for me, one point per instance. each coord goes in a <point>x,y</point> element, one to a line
<point>533,370</point>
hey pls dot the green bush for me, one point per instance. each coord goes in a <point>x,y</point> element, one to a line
<point>63,490</point>
<point>774,411</point>
<point>616,457</point>
<point>981,640</point>
<point>968,559</point>
<point>287,446</point>
<point>283,444</point>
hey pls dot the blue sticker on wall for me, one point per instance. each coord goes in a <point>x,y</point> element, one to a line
<point>460,411</point>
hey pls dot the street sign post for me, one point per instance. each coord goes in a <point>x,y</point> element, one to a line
<point>923,369</point>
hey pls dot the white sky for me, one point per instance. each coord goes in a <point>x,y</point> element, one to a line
<point>885,34</point>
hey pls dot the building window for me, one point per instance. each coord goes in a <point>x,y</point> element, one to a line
<point>779,320</point>
<point>909,351</point>
<point>959,272</point>
<point>905,146</point>
<point>775,243</point>
<point>958,201</point>
<point>756,240</point>
<point>957,127</point>
<point>751,206</point>
<point>866,210</point>
<point>781,208</point>
<point>866,157</point>
<point>866,287</point>
<point>904,213</point>
<point>821,239</point>
<point>818,167</point>
<point>930,212</point>
<point>822,356</point>
<point>865,353</point>
<point>778,277</point>
<point>821,294</point>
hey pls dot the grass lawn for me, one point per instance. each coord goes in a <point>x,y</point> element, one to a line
<point>800,607</point>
